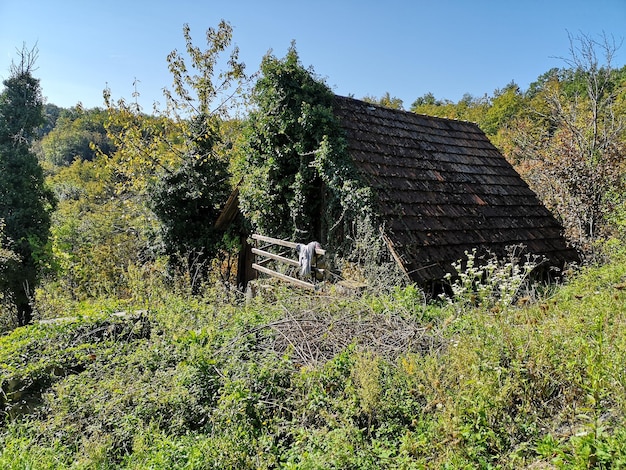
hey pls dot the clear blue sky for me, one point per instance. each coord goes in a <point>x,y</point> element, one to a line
<point>366,47</point>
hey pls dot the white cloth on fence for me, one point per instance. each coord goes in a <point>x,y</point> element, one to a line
<point>306,254</point>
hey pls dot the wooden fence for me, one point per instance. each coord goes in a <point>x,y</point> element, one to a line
<point>265,257</point>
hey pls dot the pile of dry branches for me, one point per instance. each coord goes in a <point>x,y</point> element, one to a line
<point>315,336</point>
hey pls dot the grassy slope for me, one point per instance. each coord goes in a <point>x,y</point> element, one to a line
<point>201,383</point>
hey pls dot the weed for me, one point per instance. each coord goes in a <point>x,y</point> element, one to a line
<point>492,283</point>
<point>292,380</point>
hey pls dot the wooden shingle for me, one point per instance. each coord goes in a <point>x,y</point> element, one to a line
<point>444,189</point>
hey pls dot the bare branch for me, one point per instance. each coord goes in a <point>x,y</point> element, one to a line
<point>28,58</point>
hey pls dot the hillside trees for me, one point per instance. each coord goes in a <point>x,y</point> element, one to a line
<point>386,100</point>
<point>25,202</point>
<point>97,232</point>
<point>51,115</point>
<point>503,106</point>
<point>573,141</point>
<point>76,134</point>
<point>298,181</point>
<point>177,158</point>
<point>468,108</point>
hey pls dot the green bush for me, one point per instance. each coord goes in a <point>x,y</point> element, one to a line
<point>322,380</point>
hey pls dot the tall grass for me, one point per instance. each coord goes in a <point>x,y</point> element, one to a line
<point>326,380</point>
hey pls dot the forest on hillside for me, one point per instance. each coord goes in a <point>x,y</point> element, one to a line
<point>113,210</point>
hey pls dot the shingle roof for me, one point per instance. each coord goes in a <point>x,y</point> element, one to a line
<point>443,188</point>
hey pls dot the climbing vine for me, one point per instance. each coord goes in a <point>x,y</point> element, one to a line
<point>299,182</point>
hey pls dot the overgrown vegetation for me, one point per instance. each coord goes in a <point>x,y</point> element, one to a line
<point>326,380</point>
<point>143,355</point>
<point>298,181</point>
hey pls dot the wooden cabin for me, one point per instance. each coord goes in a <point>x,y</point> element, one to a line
<point>442,189</point>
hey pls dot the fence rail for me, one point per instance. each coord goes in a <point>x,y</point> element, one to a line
<point>268,256</point>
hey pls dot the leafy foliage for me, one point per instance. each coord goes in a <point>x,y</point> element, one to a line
<point>97,233</point>
<point>574,161</point>
<point>197,381</point>
<point>178,157</point>
<point>491,283</point>
<point>299,182</point>
<point>386,100</point>
<point>469,108</point>
<point>187,201</point>
<point>8,259</point>
<point>77,133</point>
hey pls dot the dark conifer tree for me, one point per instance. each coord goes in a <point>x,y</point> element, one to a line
<point>25,203</point>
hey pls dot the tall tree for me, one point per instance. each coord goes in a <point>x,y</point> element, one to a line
<point>25,202</point>
<point>188,199</point>
<point>177,157</point>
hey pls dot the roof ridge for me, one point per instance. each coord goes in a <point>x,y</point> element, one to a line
<point>404,111</point>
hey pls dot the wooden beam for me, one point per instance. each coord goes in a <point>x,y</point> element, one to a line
<point>395,256</point>
<point>264,261</point>
<point>284,277</point>
<point>280,242</point>
<point>275,241</point>
<point>229,211</point>
<point>282,259</point>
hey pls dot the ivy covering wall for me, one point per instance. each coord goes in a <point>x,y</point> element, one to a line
<point>299,182</point>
